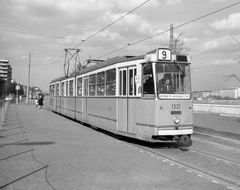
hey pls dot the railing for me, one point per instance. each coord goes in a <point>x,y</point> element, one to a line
<point>3,111</point>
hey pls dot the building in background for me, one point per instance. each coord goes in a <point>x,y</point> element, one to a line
<point>5,78</point>
<point>233,92</point>
<point>5,70</point>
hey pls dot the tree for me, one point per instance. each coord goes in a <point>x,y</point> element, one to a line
<point>2,88</point>
<point>179,46</point>
<point>228,77</point>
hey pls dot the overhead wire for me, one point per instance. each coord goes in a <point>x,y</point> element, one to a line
<point>37,34</point>
<point>104,28</point>
<point>112,23</point>
<point>186,23</point>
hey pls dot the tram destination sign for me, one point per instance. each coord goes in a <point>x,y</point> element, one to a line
<point>164,54</point>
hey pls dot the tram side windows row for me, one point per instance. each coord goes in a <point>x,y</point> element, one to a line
<point>100,84</point>
<point>54,89</point>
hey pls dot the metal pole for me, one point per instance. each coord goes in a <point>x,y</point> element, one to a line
<point>17,98</point>
<point>27,98</point>
<point>171,37</point>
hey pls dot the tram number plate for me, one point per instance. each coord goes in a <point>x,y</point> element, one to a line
<point>176,106</point>
<point>164,55</point>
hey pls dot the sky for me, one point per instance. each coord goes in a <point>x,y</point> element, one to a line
<point>44,28</point>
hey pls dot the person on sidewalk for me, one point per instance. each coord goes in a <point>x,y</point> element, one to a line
<point>40,102</point>
<point>36,102</point>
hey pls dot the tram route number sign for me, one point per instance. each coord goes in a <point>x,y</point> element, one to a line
<point>164,54</point>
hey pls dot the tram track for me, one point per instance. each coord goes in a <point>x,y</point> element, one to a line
<point>231,184</point>
<point>226,160</point>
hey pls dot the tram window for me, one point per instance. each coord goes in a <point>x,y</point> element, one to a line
<point>79,87</point>
<point>148,82</point>
<point>62,88</point>
<point>71,88</point>
<point>123,82</point>
<point>111,82</point>
<point>67,88</point>
<point>92,85</point>
<point>132,84</point>
<point>52,90</point>
<point>101,84</point>
<point>85,86</point>
<point>57,89</point>
<point>178,75</point>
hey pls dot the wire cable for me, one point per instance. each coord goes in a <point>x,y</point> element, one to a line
<point>37,34</point>
<point>186,23</point>
<point>112,23</point>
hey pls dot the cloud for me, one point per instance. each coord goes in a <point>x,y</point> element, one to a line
<point>218,1</point>
<point>173,2</point>
<point>230,23</point>
<point>220,62</point>
<point>221,44</point>
<point>129,26</point>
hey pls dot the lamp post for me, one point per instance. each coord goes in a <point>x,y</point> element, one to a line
<point>27,99</point>
<point>17,89</point>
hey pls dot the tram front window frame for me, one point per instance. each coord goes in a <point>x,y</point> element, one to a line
<point>154,76</point>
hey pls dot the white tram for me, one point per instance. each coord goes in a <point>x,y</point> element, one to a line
<point>145,97</point>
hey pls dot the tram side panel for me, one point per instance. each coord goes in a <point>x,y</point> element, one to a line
<point>63,105</point>
<point>101,112</point>
<point>58,104</point>
<point>51,103</point>
<point>79,109</point>
<point>70,107</point>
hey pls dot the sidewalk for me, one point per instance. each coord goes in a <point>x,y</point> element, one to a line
<point>45,151</point>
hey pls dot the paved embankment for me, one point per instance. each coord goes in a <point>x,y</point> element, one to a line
<point>220,109</point>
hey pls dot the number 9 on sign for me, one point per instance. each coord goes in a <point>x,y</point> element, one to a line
<point>164,55</point>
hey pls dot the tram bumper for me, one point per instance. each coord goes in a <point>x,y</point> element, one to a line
<point>179,134</point>
<point>168,131</point>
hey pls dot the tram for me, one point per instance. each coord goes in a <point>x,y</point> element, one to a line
<point>146,97</point>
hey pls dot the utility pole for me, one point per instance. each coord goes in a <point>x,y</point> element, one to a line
<point>28,83</point>
<point>171,37</point>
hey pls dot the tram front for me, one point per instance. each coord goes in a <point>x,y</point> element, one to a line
<point>167,98</point>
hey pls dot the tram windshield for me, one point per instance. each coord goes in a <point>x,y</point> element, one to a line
<point>172,81</point>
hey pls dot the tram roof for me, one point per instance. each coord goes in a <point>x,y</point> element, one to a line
<point>103,64</point>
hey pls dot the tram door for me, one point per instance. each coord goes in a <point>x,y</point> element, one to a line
<point>126,105</point>
<point>84,99</point>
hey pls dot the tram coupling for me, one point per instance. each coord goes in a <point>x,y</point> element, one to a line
<point>185,140</point>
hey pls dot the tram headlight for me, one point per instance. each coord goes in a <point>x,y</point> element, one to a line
<point>176,120</point>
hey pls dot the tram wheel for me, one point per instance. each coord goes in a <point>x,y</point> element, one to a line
<point>185,140</point>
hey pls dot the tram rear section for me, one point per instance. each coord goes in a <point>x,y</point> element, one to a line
<point>145,97</point>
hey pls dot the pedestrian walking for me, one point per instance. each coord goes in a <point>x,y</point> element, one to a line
<point>40,102</point>
<point>36,102</point>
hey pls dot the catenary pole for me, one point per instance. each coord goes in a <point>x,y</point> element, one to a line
<point>28,83</point>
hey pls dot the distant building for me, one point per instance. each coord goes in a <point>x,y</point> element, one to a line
<point>230,93</point>
<point>5,70</point>
<point>201,94</point>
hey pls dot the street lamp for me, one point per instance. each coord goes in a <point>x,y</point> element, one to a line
<point>17,89</point>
